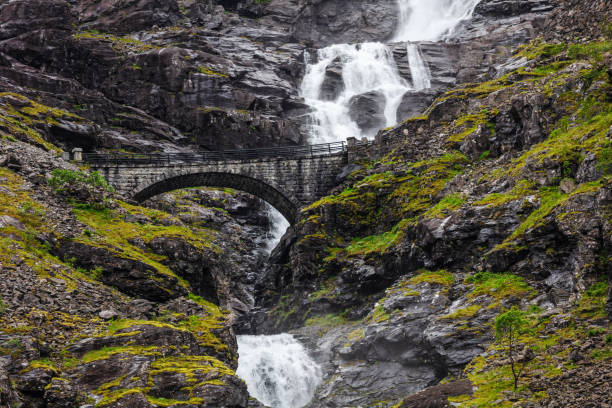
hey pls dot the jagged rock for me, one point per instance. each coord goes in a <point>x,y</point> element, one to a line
<point>34,381</point>
<point>333,84</point>
<point>60,394</point>
<point>8,221</point>
<point>367,111</point>
<point>107,314</point>
<point>130,276</point>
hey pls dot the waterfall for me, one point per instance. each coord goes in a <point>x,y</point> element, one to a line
<point>278,227</point>
<point>421,78</point>
<point>431,20</point>
<point>369,71</point>
<point>367,67</point>
<point>277,370</point>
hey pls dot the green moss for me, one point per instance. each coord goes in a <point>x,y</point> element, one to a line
<point>522,189</point>
<point>567,146</point>
<point>116,395</point>
<point>467,124</point>
<point>121,324</point>
<point>602,354</point>
<point>107,352</point>
<point>203,328</point>
<point>45,364</point>
<point>326,321</point>
<point>591,51</point>
<point>208,71</point>
<point>378,315</point>
<point>121,45</point>
<point>462,314</point>
<point>23,123</point>
<point>356,335</point>
<point>440,277</point>
<point>449,203</point>
<point>497,285</point>
<point>165,402</point>
<point>111,232</point>
<point>539,49</point>
<point>416,192</point>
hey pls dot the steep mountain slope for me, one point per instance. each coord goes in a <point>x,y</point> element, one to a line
<point>108,303</point>
<point>499,196</point>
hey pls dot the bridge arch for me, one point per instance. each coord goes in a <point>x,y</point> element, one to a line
<point>250,185</point>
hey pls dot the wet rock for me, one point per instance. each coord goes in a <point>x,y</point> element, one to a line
<point>108,16</point>
<point>129,276</point>
<point>333,84</point>
<point>107,314</point>
<point>34,381</point>
<point>367,111</point>
<point>60,394</point>
<point>8,221</point>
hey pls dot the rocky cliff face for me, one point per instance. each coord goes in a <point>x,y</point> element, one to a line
<point>498,197</point>
<point>107,303</point>
<point>188,74</point>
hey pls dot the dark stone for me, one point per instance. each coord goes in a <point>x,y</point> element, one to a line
<point>368,111</point>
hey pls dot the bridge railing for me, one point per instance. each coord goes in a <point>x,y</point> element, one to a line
<point>324,149</point>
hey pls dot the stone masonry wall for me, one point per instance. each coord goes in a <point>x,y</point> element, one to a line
<point>287,184</point>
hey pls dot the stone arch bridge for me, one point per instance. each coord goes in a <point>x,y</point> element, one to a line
<point>288,178</point>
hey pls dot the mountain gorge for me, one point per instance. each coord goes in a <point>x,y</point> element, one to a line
<point>479,185</point>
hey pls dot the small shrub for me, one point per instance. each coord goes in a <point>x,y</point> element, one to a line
<point>61,178</point>
<point>508,328</point>
<point>594,332</point>
<point>607,30</point>
<point>2,307</point>
<point>598,289</point>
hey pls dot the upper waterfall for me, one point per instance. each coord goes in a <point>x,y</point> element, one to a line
<point>431,20</point>
<point>342,79</point>
<point>367,68</point>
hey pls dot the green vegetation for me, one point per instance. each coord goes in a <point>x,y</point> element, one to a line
<point>61,178</point>
<point>378,315</point>
<point>25,121</point>
<point>529,329</point>
<point>449,203</point>
<point>462,314</point>
<point>467,124</point>
<point>426,179</point>
<point>121,45</point>
<point>497,285</point>
<point>208,71</point>
<point>522,189</point>
<point>508,327</point>
<point>326,322</point>
<point>111,232</point>
<point>441,277</point>
<point>374,243</point>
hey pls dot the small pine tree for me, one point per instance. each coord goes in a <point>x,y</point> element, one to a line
<point>508,327</point>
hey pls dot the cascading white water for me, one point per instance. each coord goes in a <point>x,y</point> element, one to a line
<point>431,20</point>
<point>277,370</point>
<point>278,227</point>
<point>367,67</point>
<point>370,67</point>
<point>421,77</point>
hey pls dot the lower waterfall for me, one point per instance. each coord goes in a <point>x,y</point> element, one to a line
<point>277,370</point>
